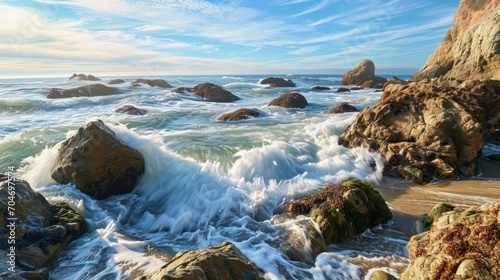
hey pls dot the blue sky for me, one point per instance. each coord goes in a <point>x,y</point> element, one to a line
<point>169,37</point>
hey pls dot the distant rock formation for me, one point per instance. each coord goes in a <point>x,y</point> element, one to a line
<point>222,262</point>
<point>343,107</point>
<point>116,82</point>
<point>152,83</point>
<point>471,48</point>
<point>461,244</point>
<point>83,77</point>
<point>240,114</point>
<point>131,110</point>
<point>424,131</point>
<point>42,231</point>
<point>97,163</point>
<point>290,100</point>
<point>345,210</point>
<point>277,82</point>
<point>82,91</point>
<point>363,75</point>
<point>213,93</point>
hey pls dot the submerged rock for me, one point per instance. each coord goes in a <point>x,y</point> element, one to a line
<point>222,262</point>
<point>343,107</point>
<point>461,244</point>
<point>240,114</point>
<point>97,163</point>
<point>214,93</point>
<point>424,131</point>
<point>290,100</point>
<point>277,82</point>
<point>116,82</point>
<point>345,210</point>
<point>83,77</point>
<point>131,110</point>
<point>152,83</point>
<point>83,91</point>
<point>42,231</point>
<point>363,73</point>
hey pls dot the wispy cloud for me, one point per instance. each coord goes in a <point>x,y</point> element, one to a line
<point>305,50</point>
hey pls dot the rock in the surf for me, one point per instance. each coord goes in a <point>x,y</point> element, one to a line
<point>461,244</point>
<point>82,91</point>
<point>152,83</point>
<point>222,262</point>
<point>424,131</point>
<point>214,93</point>
<point>116,82</point>
<point>363,74</point>
<point>41,231</point>
<point>131,110</point>
<point>97,163</point>
<point>83,77</point>
<point>290,100</point>
<point>240,114</point>
<point>277,82</point>
<point>345,210</point>
<point>343,107</point>
<point>320,88</point>
<point>343,89</point>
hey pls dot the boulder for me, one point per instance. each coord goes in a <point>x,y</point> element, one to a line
<point>356,88</point>
<point>424,131</point>
<point>152,83</point>
<point>363,73</point>
<point>382,275</point>
<point>343,107</point>
<point>277,82</point>
<point>131,110</point>
<point>97,163</point>
<point>462,244</point>
<point>436,212</point>
<point>183,89</point>
<point>83,77</point>
<point>240,114</point>
<point>471,48</point>
<point>42,231</point>
<point>320,88</point>
<point>214,93</point>
<point>222,262</point>
<point>116,82</point>
<point>343,89</point>
<point>345,210</point>
<point>82,91</point>
<point>290,100</point>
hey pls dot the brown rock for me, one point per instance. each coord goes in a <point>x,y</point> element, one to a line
<point>343,107</point>
<point>363,73</point>
<point>131,110</point>
<point>343,89</point>
<point>462,244</point>
<point>116,82</point>
<point>320,88</point>
<point>222,262</point>
<point>394,80</point>
<point>83,77</point>
<point>277,82</point>
<point>424,131</point>
<point>214,93</point>
<point>97,163</point>
<point>87,90</point>
<point>152,83</point>
<point>471,48</point>
<point>183,89</point>
<point>290,100</point>
<point>240,114</point>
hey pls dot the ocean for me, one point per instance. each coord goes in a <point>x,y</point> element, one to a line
<point>208,181</point>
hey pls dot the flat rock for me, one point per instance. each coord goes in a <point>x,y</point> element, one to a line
<point>290,100</point>
<point>240,114</point>
<point>82,91</point>
<point>277,82</point>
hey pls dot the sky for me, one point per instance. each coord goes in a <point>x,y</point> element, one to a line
<point>43,38</point>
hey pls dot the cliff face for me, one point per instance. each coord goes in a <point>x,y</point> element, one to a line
<point>471,48</point>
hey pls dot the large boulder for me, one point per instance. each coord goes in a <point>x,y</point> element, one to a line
<point>152,83</point>
<point>424,131</point>
<point>97,163</point>
<point>222,262</point>
<point>461,244</point>
<point>240,114</point>
<point>290,100</point>
<point>345,210</point>
<point>83,77</point>
<point>363,74</point>
<point>277,82</point>
<point>471,48</point>
<point>39,233</point>
<point>214,93</point>
<point>82,91</point>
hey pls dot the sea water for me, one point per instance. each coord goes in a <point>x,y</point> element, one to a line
<point>206,181</point>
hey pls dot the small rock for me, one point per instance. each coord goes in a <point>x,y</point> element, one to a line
<point>382,275</point>
<point>116,81</point>
<point>343,89</point>
<point>277,82</point>
<point>320,88</point>
<point>290,100</point>
<point>131,110</point>
<point>344,107</point>
<point>152,83</point>
<point>240,114</point>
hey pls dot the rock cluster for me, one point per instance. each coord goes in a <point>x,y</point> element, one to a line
<point>97,163</point>
<point>425,131</point>
<point>461,244</point>
<point>82,91</point>
<point>363,75</point>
